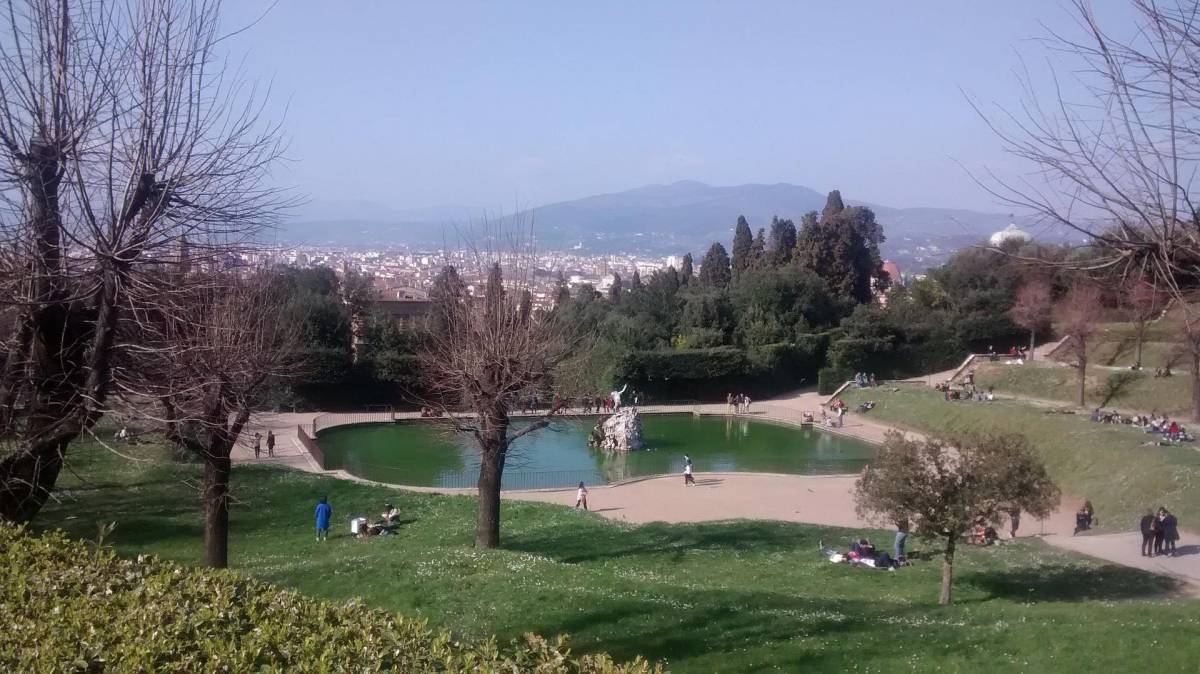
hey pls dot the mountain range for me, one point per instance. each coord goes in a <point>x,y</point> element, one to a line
<point>655,219</point>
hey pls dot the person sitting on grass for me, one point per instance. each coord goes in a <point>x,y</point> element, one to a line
<point>390,514</point>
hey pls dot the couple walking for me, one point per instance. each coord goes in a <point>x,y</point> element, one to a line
<point>1159,532</point>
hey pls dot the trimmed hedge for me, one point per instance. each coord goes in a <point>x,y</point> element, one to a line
<point>830,378</point>
<point>70,606</point>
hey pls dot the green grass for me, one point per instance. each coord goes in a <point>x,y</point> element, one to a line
<point>1124,390</point>
<point>1108,464</point>
<point>726,597</point>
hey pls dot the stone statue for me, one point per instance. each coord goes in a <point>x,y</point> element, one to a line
<point>616,397</point>
<point>620,432</point>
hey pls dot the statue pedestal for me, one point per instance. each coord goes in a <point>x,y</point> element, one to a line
<point>621,432</point>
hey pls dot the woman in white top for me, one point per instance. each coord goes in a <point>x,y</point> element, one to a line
<point>581,497</point>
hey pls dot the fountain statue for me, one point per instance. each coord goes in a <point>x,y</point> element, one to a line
<point>622,431</point>
<point>616,397</point>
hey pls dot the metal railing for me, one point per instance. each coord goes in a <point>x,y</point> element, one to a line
<point>331,419</point>
<point>517,480</point>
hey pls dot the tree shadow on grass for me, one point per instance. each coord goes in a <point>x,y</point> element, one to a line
<point>1064,582</point>
<point>607,542</point>
<point>769,626</point>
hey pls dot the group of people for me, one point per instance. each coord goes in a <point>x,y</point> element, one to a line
<point>1160,531</point>
<point>270,444</point>
<point>864,380</point>
<point>738,403</point>
<point>969,391</point>
<point>359,526</point>
<point>1017,354</point>
<point>1169,429</point>
<point>862,552</point>
<point>838,418</point>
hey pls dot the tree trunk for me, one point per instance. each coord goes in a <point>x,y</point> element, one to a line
<point>947,571</point>
<point>491,470</point>
<point>1081,360</point>
<point>1195,385</point>
<point>27,476</point>
<point>217,469</point>
<point>1032,342</point>
<point>1137,343</point>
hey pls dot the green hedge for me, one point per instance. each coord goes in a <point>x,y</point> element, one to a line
<point>830,378</point>
<point>708,374</point>
<point>70,606</point>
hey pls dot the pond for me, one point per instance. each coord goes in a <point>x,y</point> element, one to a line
<point>425,454</point>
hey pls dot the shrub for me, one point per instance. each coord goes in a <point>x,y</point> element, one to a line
<point>68,606</point>
<point>830,378</point>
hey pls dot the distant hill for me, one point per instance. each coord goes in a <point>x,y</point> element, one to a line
<point>662,219</point>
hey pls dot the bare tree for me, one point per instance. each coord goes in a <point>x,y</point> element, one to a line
<point>1142,302</point>
<point>482,353</point>
<point>1031,308</point>
<point>211,359</point>
<point>1079,316</point>
<point>942,486</point>
<point>1114,148</point>
<point>125,147</point>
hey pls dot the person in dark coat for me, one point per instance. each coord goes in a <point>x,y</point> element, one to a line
<point>1147,527</point>
<point>1170,532</point>
<point>1159,531</point>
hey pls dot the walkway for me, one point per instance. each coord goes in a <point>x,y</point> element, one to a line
<point>825,500</point>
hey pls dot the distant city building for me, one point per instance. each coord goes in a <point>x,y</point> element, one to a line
<point>893,271</point>
<point>1010,234</point>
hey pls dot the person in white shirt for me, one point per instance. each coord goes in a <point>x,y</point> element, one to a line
<point>687,474</point>
<point>581,497</point>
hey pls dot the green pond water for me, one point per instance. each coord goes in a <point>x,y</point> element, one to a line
<point>422,454</point>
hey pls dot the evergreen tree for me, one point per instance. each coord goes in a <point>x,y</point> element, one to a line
<point>714,270</point>
<point>635,284</point>
<point>758,249</point>
<point>743,242</point>
<point>833,206</point>
<point>783,240</point>
<point>563,293</point>
<point>840,256</point>
<point>685,270</point>
<point>614,291</point>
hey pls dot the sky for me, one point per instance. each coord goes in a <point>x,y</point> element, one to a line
<point>500,105</point>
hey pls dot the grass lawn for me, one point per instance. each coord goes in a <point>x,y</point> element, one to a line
<point>1124,390</point>
<point>728,597</point>
<point>1107,464</point>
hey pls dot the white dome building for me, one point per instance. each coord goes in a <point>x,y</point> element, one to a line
<point>1010,234</point>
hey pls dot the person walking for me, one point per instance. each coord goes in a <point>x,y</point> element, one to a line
<point>323,512</point>
<point>271,444</point>
<point>1160,532</point>
<point>1170,532</point>
<point>1014,521</point>
<point>688,480</point>
<point>581,497</point>
<point>901,539</point>
<point>729,403</point>
<point>257,445</point>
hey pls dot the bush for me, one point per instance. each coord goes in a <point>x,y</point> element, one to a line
<point>830,378</point>
<point>68,606</point>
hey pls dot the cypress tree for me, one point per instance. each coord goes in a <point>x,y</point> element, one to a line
<point>783,240</point>
<point>758,249</point>
<point>636,283</point>
<point>614,291</point>
<point>714,270</point>
<point>685,270</point>
<point>743,242</point>
<point>833,206</point>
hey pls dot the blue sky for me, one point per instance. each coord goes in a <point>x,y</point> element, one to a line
<point>503,104</point>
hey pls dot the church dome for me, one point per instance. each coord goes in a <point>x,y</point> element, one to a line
<point>1010,234</point>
